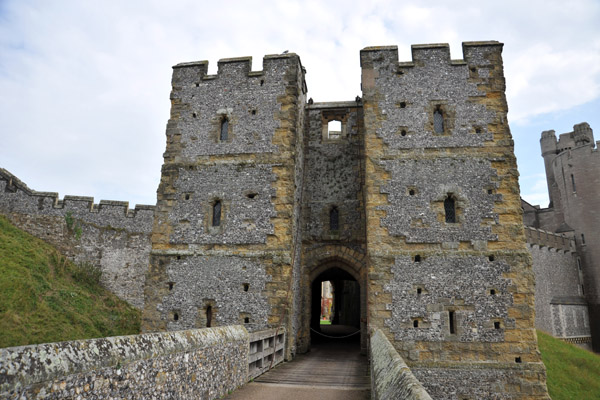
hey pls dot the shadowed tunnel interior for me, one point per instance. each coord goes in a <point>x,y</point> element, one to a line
<point>340,307</point>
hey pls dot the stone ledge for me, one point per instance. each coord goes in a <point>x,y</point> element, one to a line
<point>390,376</point>
<point>25,366</point>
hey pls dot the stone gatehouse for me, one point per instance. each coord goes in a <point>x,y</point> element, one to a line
<point>406,198</point>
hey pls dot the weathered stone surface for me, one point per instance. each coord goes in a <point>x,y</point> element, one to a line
<point>456,381</point>
<point>390,376</point>
<point>431,289</point>
<point>416,192</point>
<point>238,269</point>
<point>245,220</point>
<point>233,286</point>
<point>450,293</point>
<point>202,364</point>
<point>560,308</point>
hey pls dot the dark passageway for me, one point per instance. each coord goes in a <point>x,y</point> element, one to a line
<point>335,308</point>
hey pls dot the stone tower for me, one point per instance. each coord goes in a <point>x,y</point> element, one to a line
<point>224,241</point>
<point>573,175</point>
<point>406,199</point>
<point>450,278</point>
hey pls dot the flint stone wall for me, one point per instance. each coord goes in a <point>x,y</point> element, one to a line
<point>477,302</point>
<point>221,286</point>
<point>457,381</point>
<point>107,235</point>
<point>199,364</point>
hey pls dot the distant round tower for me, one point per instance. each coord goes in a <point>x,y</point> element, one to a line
<point>549,149</point>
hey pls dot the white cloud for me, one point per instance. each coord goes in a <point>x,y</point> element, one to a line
<point>85,85</point>
<point>545,79</point>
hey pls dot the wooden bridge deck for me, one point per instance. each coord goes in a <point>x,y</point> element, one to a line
<point>331,370</point>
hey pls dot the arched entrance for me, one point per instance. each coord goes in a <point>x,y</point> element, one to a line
<point>345,271</point>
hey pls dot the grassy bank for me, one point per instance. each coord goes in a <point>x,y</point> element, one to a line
<point>572,373</point>
<point>46,298</point>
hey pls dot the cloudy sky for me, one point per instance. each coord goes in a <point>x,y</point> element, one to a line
<point>84,85</point>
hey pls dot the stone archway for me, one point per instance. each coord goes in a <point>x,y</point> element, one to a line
<point>325,263</point>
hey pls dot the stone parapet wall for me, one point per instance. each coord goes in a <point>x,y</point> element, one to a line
<point>17,197</point>
<point>544,238</point>
<point>390,376</point>
<point>107,235</point>
<point>560,308</point>
<point>200,364</point>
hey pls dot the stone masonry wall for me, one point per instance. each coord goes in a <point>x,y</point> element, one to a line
<point>108,235</point>
<point>448,293</point>
<point>200,364</point>
<point>238,270</point>
<point>560,308</point>
<point>294,299</point>
<point>333,177</point>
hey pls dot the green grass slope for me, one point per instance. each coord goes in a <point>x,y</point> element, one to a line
<point>46,298</point>
<point>572,372</point>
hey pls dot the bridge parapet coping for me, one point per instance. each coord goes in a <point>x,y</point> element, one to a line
<point>137,366</point>
<point>390,376</point>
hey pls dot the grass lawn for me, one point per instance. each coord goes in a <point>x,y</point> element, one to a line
<point>572,372</point>
<point>44,297</point>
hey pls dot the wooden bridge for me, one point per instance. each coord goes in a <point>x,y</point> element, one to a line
<point>333,369</point>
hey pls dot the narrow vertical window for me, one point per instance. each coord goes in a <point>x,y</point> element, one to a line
<point>452,322</point>
<point>216,218</point>
<point>224,129</point>
<point>573,183</point>
<point>582,238</point>
<point>438,121</point>
<point>450,209</point>
<point>334,219</point>
<point>208,316</point>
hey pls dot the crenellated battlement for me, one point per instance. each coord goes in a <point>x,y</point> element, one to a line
<point>551,240</point>
<point>197,71</point>
<point>11,186</point>
<point>474,53</point>
<point>582,135</point>
<point>551,134</point>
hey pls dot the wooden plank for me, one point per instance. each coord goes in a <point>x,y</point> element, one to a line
<point>331,364</point>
